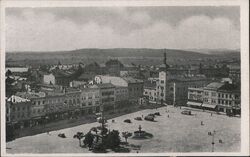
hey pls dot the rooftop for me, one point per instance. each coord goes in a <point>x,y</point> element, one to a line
<point>17,99</point>
<point>132,80</point>
<point>105,85</point>
<point>214,85</point>
<point>30,95</point>
<point>117,81</point>
<point>229,87</point>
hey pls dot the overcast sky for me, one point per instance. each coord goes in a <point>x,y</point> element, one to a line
<point>50,29</point>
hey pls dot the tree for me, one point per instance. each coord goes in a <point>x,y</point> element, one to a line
<point>112,140</point>
<point>79,136</point>
<point>8,73</point>
<point>89,138</point>
<point>126,135</point>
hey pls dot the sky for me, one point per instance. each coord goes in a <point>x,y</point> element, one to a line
<point>173,27</point>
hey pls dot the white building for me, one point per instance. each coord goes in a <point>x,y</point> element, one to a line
<point>49,79</point>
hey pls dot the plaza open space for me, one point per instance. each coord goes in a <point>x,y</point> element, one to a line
<point>172,132</point>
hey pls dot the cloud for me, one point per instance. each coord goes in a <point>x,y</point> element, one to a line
<point>45,32</point>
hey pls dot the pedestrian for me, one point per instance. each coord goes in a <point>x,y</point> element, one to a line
<point>168,115</point>
<point>211,114</point>
<point>202,123</point>
<point>142,116</point>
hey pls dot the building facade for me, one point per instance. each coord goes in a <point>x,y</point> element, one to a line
<point>18,111</point>
<point>107,96</point>
<point>217,96</point>
<point>90,100</point>
<point>49,79</point>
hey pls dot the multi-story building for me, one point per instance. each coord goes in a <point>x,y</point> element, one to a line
<point>107,95</point>
<point>121,94</point>
<point>72,99</point>
<point>56,105</point>
<point>173,89</point>
<point>90,100</point>
<point>150,91</point>
<point>162,86</point>
<point>210,95</point>
<point>18,111</point>
<point>195,97</point>
<point>234,73</point>
<point>135,86</point>
<point>229,98</point>
<point>49,79</point>
<point>114,67</point>
<point>38,104</point>
<point>217,96</point>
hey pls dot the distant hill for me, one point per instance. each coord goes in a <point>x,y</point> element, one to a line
<point>127,55</point>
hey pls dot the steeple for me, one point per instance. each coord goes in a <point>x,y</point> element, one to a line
<point>165,60</point>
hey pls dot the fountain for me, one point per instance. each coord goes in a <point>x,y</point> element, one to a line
<point>139,133</point>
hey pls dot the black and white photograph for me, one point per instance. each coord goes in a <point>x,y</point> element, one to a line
<point>125,78</point>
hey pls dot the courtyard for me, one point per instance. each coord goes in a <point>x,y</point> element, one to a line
<point>172,132</point>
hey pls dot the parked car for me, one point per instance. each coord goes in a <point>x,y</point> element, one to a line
<point>149,118</point>
<point>151,114</point>
<point>127,121</point>
<point>157,113</point>
<point>186,112</point>
<point>138,118</point>
<point>62,135</point>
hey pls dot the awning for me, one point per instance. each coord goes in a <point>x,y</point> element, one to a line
<point>194,103</point>
<point>209,106</point>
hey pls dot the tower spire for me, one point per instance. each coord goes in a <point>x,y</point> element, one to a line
<point>165,60</point>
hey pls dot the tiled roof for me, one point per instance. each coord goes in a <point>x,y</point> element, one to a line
<point>30,95</point>
<point>17,99</point>
<point>105,85</point>
<point>230,87</point>
<point>117,81</point>
<point>132,80</point>
<point>214,85</point>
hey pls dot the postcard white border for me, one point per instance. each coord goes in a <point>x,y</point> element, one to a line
<point>244,19</point>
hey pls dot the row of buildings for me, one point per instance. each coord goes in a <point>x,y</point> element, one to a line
<point>53,101</point>
<point>59,94</point>
<point>219,96</point>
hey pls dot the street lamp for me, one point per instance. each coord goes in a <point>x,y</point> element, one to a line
<point>213,134</point>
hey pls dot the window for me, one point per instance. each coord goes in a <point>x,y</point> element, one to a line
<point>43,101</point>
<point>206,93</point>
<point>213,94</point>
<point>162,81</point>
<point>23,108</point>
<point>18,109</point>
